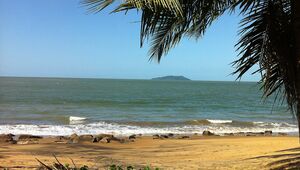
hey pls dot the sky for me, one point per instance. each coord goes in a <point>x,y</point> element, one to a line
<point>55,38</point>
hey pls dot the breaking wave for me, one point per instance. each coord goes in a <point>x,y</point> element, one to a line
<point>189,127</point>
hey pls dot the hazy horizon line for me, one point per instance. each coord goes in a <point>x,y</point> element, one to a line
<point>105,78</point>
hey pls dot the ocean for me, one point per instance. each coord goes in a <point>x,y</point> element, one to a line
<point>62,106</point>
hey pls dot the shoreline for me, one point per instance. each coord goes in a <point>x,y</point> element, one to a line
<point>193,152</point>
<point>220,127</point>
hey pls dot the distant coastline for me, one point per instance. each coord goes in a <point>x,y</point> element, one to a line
<point>172,78</point>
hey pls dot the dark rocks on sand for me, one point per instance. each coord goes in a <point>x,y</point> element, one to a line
<point>104,135</point>
<point>268,133</point>
<point>105,140</point>
<point>184,137</point>
<point>207,133</point>
<point>96,139</point>
<point>255,133</point>
<point>170,135</point>
<point>124,140</point>
<point>240,134</point>
<point>84,138</point>
<point>74,135</point>
<point>229,134</point>
<point>74,138</point>
<point>282,134</point>
<point>132,137</point>
<point>8,138</point>
<point>164,136</point>
<point>27,137</point>
<point>156,136</point>
<point>60,138</point>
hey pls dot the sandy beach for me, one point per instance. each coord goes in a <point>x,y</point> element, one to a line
<point>196,152</point>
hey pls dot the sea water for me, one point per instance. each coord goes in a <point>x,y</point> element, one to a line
<point>62,106</point>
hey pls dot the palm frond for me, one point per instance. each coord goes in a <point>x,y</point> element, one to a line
<point>266,39</point>
<point>97,5</point>
<point>153,5</point>
<point>165,22</point>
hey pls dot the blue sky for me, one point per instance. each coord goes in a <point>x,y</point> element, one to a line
<point>55,38</point>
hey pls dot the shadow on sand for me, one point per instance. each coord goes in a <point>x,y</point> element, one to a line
<point>284,161</point>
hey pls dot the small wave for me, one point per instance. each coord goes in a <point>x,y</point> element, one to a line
<point>219,121</point>
<point>74,118</point>
<point>274,124</point>
<point>123,129</point>
<point>198,122</point>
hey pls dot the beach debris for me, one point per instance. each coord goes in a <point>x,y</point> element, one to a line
<point>207,133</point>
<point>268,133</point>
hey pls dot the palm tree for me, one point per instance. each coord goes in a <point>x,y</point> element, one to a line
<point>269,35</point>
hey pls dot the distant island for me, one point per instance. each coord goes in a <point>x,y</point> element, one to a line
<point>171,78</point>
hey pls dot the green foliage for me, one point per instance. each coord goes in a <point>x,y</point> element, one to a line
<point>59,166</point>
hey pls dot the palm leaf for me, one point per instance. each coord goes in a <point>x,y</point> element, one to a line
<point>266,40</point>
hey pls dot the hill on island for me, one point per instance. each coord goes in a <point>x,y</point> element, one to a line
<point>171,78</point>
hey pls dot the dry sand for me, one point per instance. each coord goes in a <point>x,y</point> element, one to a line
<point>196,153</point>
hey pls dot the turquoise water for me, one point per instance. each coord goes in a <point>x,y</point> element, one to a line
<point>45,105</point>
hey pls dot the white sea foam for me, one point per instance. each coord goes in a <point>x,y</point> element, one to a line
<point>74,118</point>
<point>122,130</point>
<point>219,121</point>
